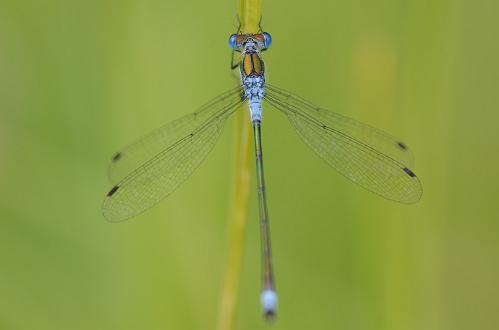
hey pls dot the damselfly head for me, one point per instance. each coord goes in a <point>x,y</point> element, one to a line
<point>250,42</point>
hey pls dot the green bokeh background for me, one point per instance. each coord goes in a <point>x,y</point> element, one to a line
<point>79,79</point>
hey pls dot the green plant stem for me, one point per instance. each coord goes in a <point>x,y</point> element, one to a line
<point>249,14</point>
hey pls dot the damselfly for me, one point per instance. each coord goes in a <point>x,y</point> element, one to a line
<point>152,167</point>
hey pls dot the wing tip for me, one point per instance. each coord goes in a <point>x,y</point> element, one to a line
<point>112,191</point>
<point>116,157</point>
<point>402,145</point>
<point>409,172</point>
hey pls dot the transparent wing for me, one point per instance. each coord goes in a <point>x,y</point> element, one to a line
<point>363,154</point>
<point>155,178</point>
<point>380,140</point>
<point>140,151</point>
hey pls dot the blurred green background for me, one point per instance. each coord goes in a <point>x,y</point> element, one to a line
<point>80,79</point>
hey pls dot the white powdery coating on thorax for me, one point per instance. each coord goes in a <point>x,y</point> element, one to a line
<point>254,90</point>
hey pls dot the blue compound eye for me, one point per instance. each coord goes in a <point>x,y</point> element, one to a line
<point>267,39</point>
<point>232,41</point>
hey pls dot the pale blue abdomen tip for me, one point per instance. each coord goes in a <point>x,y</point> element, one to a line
<point>268,299</point>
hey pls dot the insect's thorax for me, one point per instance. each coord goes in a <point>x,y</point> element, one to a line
<point>253,81</point>
<point>252,64</point>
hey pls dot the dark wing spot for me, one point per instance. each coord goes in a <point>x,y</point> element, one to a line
<point>402,146</point>
<point>409,172</point>
<point>117,156</point>
<point>112,191</point>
